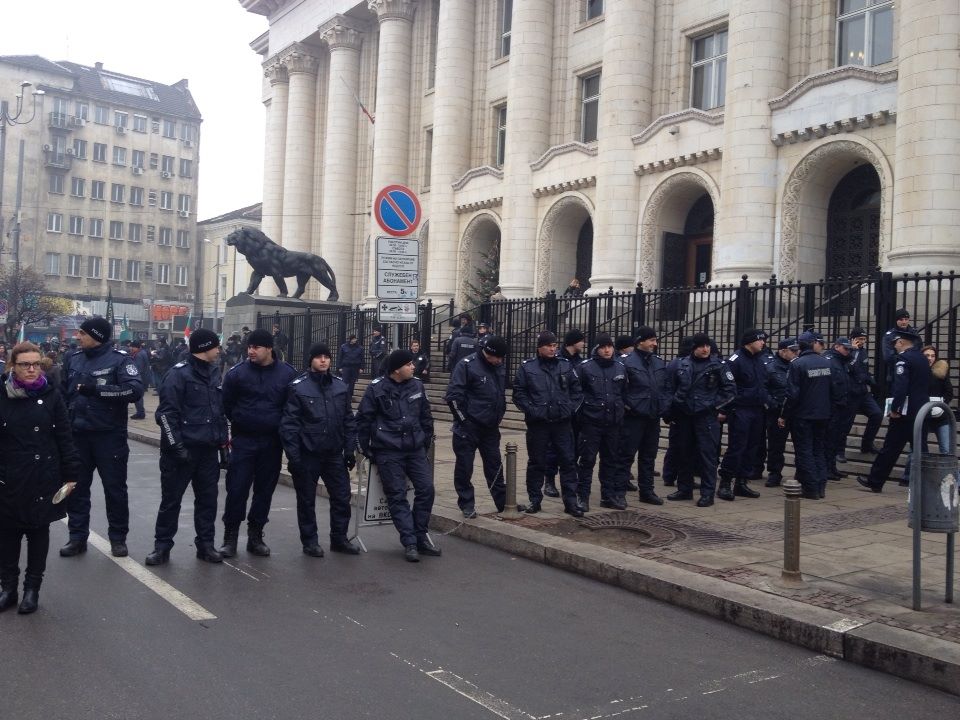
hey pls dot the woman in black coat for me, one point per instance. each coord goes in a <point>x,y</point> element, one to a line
<point>39,459</point>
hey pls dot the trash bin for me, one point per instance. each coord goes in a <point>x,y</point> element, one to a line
<point>940,506</point>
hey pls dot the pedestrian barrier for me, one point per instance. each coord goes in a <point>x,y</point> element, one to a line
<point>790,575</point>
<point>933,500</point>
<point>510,510</point>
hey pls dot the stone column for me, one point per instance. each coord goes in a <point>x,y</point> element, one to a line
<point>626,101</point>
<point>337,237</point>
<point>301,146</point>
<point>926,202</point>
<point>274,149</point>
<point>452,103</point>
<point>757,64</point>
<point>528,137</point>
<point>391,132</point>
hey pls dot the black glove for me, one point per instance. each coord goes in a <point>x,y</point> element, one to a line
<point>86,389</point>
<point>350,461</point>
<point>181,452</point>
<point>365,451</point>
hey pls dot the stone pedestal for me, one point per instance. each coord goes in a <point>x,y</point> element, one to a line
<point>242,309</point>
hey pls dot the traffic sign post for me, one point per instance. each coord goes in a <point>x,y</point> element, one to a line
<point>397,210</point>
<point>398,275</point>
<point>396,311</point>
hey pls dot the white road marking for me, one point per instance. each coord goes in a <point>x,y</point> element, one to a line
<point>181,602</point>
<point>242,572</point>
<point>467,689</point>
<point>355,622</point>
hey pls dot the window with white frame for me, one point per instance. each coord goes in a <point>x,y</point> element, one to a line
<point>51,265</point>
<point>101,114</point>
<point>184,203</point>
<point>592,9</point>
<point>505,26</point>
<point>186,168</point>
<point>117,192</point>
<point>73,265</point>
<point>99,152</point>
<point>709,81</point>
<point>137,159</point>
<point>115,269</point>
<point>76,225</point>
<point>94,266</point>
<point>136,196</point>
<point>427,158</point>
<point>79,149</point>
<point>120,119</point>
<point>134,232</point>
<point>169,128</point>
<point>434,34</point>
<point>54,222</point>
<point>96,228</point>
<point>166,236</point>
<point>119,155</point>
<point>167,164</point>
<point>154,161</point>
<point>163,273</point>
<point>864,32</point>
<point>133,271</point>
<point>188,132</point>
<point>166,200</point>
<point>139,123</point>
<point>182,275</point>
<point>183,238</point>
<point>97,189</point>
<point>501,143</point>
<point>55,183</point>
<point>77,186</point>
<point>82,110</point>
<point>116,230</point>
<point>590,110</point>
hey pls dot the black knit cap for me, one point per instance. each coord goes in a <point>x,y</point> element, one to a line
<point>858,332</point>
<point>603,340</point>
<point>318,349</point>
<point>98,328</point>
<point>397,359</point>
<point>496,346</point>
<point>546,338</point>
<point>573,337</point>
<point>752,335</point>
<point>699,340</point>
<point>260,338</point>
<point>901,314</point>
<point>644,332</point>
<point>623,342</point>
<point>202,340</point>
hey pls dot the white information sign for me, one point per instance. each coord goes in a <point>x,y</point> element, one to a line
<point>376,510</point>
<point>398,268</point>
<point>396,311</point>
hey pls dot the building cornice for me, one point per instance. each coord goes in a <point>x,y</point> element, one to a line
<point>565,186</point>
<point>298,58</point>
<point>687,160</point>
<point>393,9</point>
<point>275,71</point>
<point>713,117</point>
<point>853,124</point>
<point>477,172</point>
<point>341,31</point>
<point>479,205</point>
<point>558,150</point>
<point>827,77</point>
<point>263,7</point>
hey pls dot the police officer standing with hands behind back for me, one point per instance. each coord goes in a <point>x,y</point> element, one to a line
<point>193,428</point>
<point>99,382</point>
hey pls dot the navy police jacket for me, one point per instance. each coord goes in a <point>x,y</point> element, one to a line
<point>253,396</point>
<point>841,377</point>
<point>317,417</point>
<point>464,345</point>
<point>701,386</point>
<point>861,378</point>
<point>911,383</point>
<point>191,406</point>
<point>604,384</point>
<point>113,381</point>
<point>378,348</point>
<point>350,356</point>
<point>547,390</point>
<point>394,417</point>
<point>477,391</point>
<point>777,381</point>
<point>811,390</point>
<point>750,375</point>
<point>648,392</point>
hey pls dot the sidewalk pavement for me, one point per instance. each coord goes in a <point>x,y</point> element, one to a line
<point>725,561</point>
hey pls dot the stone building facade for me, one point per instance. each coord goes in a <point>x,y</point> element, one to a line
<point>108,189</point>
<point>668,142</point>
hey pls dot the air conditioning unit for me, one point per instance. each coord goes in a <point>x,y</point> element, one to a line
<point>137,170</point>
<point>78,122</point>
<point>46,148</point>
<point>70,151</point>
<point>120,130</point>
<point>166,175</point>
<point>184,213</point>
<point>163,325</point>
<point>188,143</point>
<point>188,296</point>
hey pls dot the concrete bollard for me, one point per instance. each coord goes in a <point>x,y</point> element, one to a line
<point>791,577</point>
<point>510,477</point>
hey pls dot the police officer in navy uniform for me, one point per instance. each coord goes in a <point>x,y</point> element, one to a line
<point>476,395</point>
<point>910,392</point>
<point>811,396</point>
<point>141,360</point>
<point>647,398</point>
<point>254,392</point>
<point>463,346</point>
<point>349,362</point>
<point>840,356</point>
<point>193,429</point>
<point>421,362</point>
<point>747,417</point>
<point>395,429</point>
<point>901,319</point>
<point>703,389</point>
<point>98,382</point>
<point>604,382</point>
<point>378,353</point>
<point>319,434</point>
<point>546,389</point>
<point>861,388</point>
<point>777,368</point>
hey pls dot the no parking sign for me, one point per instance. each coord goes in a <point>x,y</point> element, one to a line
<point>397,210</point>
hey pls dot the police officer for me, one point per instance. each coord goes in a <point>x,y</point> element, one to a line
<point>861,388</point>
<point>647,398</point>
<point>141,359</point>
<point>604,382</point>
<point>702,390</point>
<point>671,459</point>
<point>395,429</point>
<point>748,416</point>
<point>193,428</point>
<point>546,389</point>
<point>254,392</point>
<point>910,392</point>
<point>476,395</point>
<point>809,403</point>
<point>623,346</point>
<point>845,409</point>
<point>464,345</point>
<point>378,353</point>
<point>901,319</point>
<point>349,362</point>
<point>98,382</point>
<point>573,343</point>
<point>319,435</point>
<point>777,368</point>
<point>483,334</point>
<point>421,362</point>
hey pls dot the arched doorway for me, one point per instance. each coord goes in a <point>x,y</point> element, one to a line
<point>479,266</point>
<point>853,224</point>
<point>687,257</point>
<point>565,245</point>
<point>585,254</point>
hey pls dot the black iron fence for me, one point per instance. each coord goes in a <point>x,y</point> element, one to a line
<point>833,307</point>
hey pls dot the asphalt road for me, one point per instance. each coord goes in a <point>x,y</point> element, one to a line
<point>474,634</point>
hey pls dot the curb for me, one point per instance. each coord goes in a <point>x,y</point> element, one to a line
<point>904,653</point>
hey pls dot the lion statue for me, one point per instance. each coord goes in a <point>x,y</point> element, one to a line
<point>269,259</point>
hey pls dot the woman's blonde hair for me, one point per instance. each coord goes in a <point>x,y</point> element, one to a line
<point>20,349</point>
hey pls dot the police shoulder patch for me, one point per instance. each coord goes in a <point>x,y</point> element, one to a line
<point>131,369</point>
<point>299,379</point>
<point>180,364</point>
<point>122,352</point>
<point>900,367</point>
<point>729,375</point>
<point>733,357</point>
<point>376,380</point>
<point>469,358</point>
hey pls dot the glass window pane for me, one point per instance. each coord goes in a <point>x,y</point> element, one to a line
<point>590,113</point>
<point>700,49</point>
<point>721,43</point>
<point>701,86</point>
<point>851,41</point>
<point>507,15</point>
<point>847,6</point>
<point>881,46</point>
<point>591,86</point>
<point>721,82</point>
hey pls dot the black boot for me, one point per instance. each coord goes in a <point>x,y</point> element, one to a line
<point>631,485</point>
<point>312,549</point>
<point>159,556</point>
<point>73,547</point>
<point>31,597</point>
<point>573,509</point>
<point>680,495</point>
<point>613,503</point>
<point>255,543</point>
<point>230,539</point>
<point>345,546</point>
<point>208,553</point>
<point>8,598</point>
<point>550,488</point>
<point>724,492</point>
<point>742,489</point>
<point>773,480</point>
<point>705,501</point>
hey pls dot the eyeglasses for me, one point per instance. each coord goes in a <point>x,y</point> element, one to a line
<point>28,365</point>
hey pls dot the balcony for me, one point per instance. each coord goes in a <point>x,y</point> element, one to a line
<point>61,121</point>
<point>57,159</point>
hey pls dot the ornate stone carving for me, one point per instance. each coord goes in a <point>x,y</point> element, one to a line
<point>558,150</point>
<point>393,9</point>
<point>274,71</point>
<point>473,173</point>
<point>565,186</point>
<point>341,32</point>
<point>701,156</point>
<point>479,205</point>
<point>651,219</point>
<point>861,122</point>
<point>710,118</point>
<point>787,270</point>
<point>298,58</point>
<point>831,76</point>
<point>545,239</point>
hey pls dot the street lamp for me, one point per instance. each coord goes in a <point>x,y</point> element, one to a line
<point>216,282</point>
<point>12,119</point>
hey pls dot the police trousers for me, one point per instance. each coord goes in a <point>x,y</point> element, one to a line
<point>328,467</point>
<point>202,471</point>
<point>254,462</point>
<point>697,441</point>
<point>745,434</point>
<point>541,438</point>
<point>395,468</point>
<point>107,453</point>
<point>466,442</point>
<point>596,439</point>
<point>640,438</point>
<point>809,439</point>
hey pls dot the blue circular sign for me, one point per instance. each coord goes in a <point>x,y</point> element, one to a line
<point>397,210</point>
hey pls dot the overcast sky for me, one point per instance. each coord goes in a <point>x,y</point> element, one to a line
<point>205,41</point>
